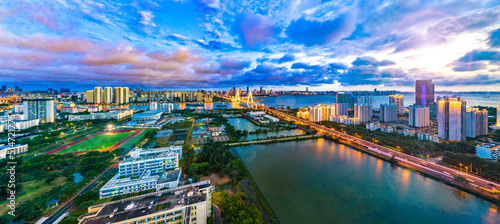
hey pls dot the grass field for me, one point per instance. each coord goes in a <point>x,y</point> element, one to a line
<point>98,142</point>
<point>32,189</point>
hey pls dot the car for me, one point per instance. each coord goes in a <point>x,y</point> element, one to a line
<point>492,185</point>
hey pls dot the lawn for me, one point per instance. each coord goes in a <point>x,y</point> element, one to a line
<point>97,142</point>
<point>33,189</point>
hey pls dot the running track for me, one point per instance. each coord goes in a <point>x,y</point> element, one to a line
<point>136,132</point>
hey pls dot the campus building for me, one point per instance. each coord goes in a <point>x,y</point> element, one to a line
<point>135,167</point>
<point>115,115</point>
<point>15,150</point>
<point>140,152</point>
<point>152,116</point>
<point>186,204</point>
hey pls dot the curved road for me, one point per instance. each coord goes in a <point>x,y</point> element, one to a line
<point>408,160</point>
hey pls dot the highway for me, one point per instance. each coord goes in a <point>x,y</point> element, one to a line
<point>404,159</point>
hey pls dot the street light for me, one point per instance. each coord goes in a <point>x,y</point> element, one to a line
<point>460,167</point>
<point>466,168</point>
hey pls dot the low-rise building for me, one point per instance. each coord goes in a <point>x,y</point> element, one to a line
<point>186,204</point>
<point>488,151</point>
<point>14,150</point>
<point>345,120</point>
<point>115,115</point>
<point>373,126</point>
<point>134,167</point>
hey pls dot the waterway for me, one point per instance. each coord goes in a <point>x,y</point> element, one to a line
<point>296,101</point>
<point>319,181</point>
<point>244,124</point>
<point>202,106</point>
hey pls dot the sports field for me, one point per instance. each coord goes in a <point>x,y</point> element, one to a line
<point>104,141</point>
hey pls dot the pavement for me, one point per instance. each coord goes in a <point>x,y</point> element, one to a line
<point>405,159</point>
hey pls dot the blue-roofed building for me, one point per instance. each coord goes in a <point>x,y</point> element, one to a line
<point>151,115</point>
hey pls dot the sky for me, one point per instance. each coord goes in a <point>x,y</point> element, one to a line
<point>282,45</point>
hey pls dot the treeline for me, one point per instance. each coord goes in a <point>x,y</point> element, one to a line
<point>235,210</point>
<point>213,158</point>
<point>408,144</point>
<point>480,166</point>
<point>48,168</point>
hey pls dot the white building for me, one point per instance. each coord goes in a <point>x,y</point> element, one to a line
<point>488,151</point>
<point>321,112</point>
<point>97,95</point>
<point>18,108</point>
<point>153,106</point>
<point>140,152</point>
<point>419,116</point>
<point>399,101</point>
<point>271,118</point>
<point>107,97</point>
<point>373,126</point>
<point>15,150</point>
<point>152,115</point>
<point>187,204</point>
<point>115,115</point>
<point>451,118</point>
<point>134,167</point>
<point>364,100</point>
<point>40,108</point>
<point>343,119</point>
<point>363,112</point>
<point>388,112</point>
<point>476,122</point>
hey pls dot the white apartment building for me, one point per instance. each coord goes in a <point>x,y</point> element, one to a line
<point>488,151</point>
<point>363,112</point>
<point>419,116</point>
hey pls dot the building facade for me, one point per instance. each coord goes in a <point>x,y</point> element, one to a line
<point>451,118</point>
<point>341,109</point>
<point>419,116</point>
<point>489,151</point>
<point>388,112</point>
<point>399,101</point>
<point>40,108</point>
<point>476,122</point>
<point>424,92</point>
<point>363,112</point>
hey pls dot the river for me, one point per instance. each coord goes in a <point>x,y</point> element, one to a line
<point>244,124</point>
<point>296,101</point>
<point>319,181</point>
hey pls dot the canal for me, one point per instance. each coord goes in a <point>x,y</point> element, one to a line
<point>319,181</point>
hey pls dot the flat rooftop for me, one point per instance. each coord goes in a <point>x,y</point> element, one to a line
<point>169,176</point>
<point>165,154</point>
<point>144,205</point>
<point>149,113</point>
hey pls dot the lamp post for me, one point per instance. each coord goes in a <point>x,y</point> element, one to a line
<point>460,167</point>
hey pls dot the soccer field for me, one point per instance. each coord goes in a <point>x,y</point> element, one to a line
<point>98,142</point>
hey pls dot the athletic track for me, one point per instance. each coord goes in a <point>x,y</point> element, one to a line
<point>136,132</point>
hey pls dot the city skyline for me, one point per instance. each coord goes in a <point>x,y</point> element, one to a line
<point>291,45</point>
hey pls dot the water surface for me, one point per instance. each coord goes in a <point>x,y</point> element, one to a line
<point>319,181</point>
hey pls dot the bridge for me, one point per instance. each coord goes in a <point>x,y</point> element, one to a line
<point>416,163</point>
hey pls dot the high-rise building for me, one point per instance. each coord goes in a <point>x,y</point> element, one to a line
<point>121,95</point>
<point>248,89</point>
<point>498,116</point>
<point>363,112</point>
<point>90,96</point>
<point>477,122</point>
<point>107,95</point>
<point>315,114</point>
<point>419,116</point>
<point>399,101</point>
<point>261,90</point>
<point>424,92</point>
<point>341,109</point>
<point>303,113</point>
<point>388,112</point>
<point>4,88</point>
<point>364,100</point>
<point>98,95</point>
<point>16,89</point>
<point>40,108</point>
<point>451,118</point>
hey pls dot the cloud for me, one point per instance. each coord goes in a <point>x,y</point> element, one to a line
<point>366,60</point>
<point>494,39</point>
<point>479,55</point>
<point>286,58</point>
<point>254,30</point>
<point>310,33</point>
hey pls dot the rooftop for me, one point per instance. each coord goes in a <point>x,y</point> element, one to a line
<point>491,145</point>
<point>169,176</point>
<point>149,113</point>
<point>143,205</point>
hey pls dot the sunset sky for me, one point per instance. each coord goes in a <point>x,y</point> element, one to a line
<point>212,44</point>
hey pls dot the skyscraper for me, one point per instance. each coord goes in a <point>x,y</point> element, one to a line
<point>248,89</point>
<point>498,116</point>
<point>40,108</point>
<point>364,100</point>
<point>98,95</point>
<point>424,92</point>
<point>476,122</point>
<point>116,94</point>
<point>90,96</point>
<point>388,112</point>
<point>399,101</point>
<point>363,112</point>
<point>106,98</point>
<point>451,118</point>
<point>121,95</point>
<point>341,109</point>
<point>419,116</point>
<point>4,88</point>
